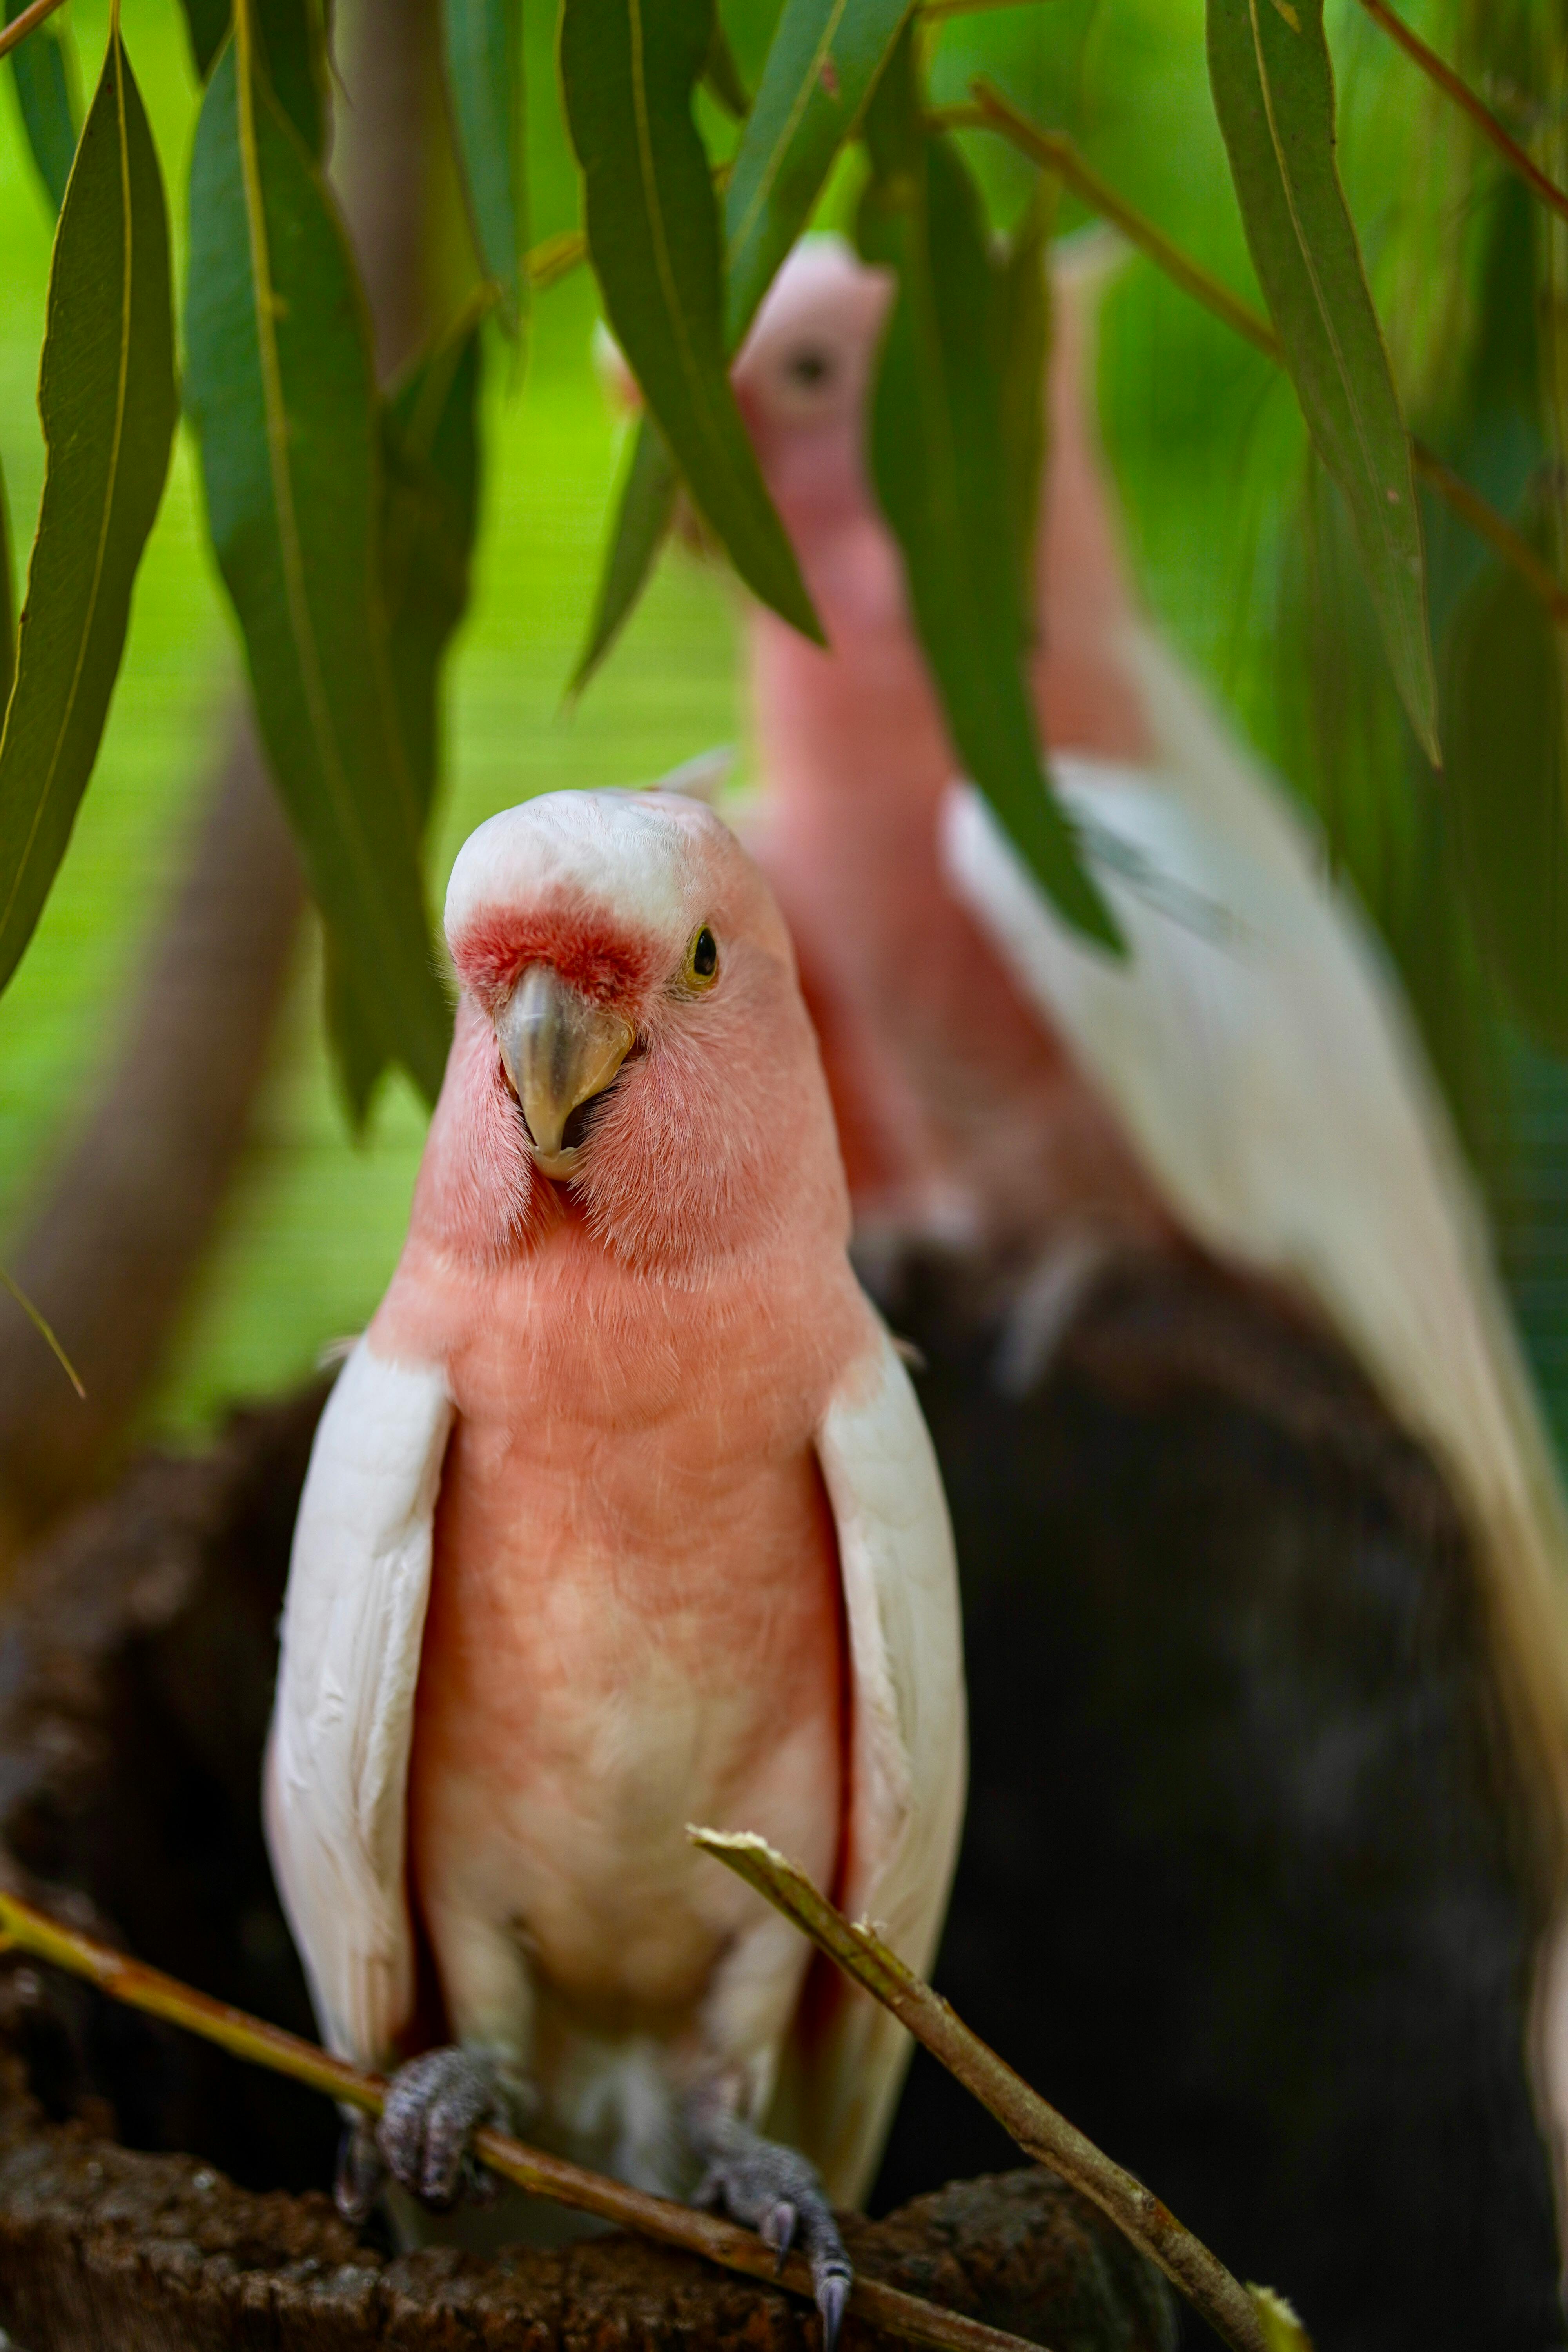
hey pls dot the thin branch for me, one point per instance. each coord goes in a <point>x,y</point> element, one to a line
<point>552,259</point>
<point>44,1330</point>
<point>1039,2131</point>
<point>20,26</point>
<point>124,1979</point>
<point>1469,105</point>
<point>1053,152</point>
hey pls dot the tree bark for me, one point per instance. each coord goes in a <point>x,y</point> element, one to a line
<point>124,1217</point>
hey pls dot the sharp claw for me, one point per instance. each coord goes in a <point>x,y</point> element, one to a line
<point>360,2173</point>
<point>776,2229</point>
<point>832,2301</point>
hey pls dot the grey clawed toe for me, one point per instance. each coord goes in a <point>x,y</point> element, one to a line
<point>435,2104</point>
<point>773,2190</point>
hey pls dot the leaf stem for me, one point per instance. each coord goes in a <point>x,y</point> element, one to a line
<point>1053,152</point>
<point>1039,2131</point>
<point>1468,104</point>
<point>122,1979</point>
<point>44,1331</point>
<point>30,19</point>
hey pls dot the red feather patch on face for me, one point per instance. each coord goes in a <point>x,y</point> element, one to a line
<point>494,951</point>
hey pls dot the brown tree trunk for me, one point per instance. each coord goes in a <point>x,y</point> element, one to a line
<point>123,1218</point>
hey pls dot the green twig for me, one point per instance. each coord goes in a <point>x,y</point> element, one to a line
<point>39,1324</point>
<point>30,19</point>
<point>124,1979</point>
<point>1469,105</point>
<point>1053,152</point>
<point>555,258</point>
<point>1230,2308</point>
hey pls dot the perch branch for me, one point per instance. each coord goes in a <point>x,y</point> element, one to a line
<point>126,1979</point>
<point>1055,153</point>
<point>20,26</point>
<point>1469,105</point>
<point>1231,2309</point>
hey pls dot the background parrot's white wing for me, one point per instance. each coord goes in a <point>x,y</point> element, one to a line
<point>908,1758</point>
<point>1261,1060</point>
<point>337,1761</point>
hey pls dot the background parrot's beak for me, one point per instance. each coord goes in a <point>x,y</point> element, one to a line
<point>560,1050</point>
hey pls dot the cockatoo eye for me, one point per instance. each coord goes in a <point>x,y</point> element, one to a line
<point>701,967</point>
<point>809,368</point>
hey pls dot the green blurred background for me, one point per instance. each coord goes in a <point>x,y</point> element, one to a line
<point>1209,453</point>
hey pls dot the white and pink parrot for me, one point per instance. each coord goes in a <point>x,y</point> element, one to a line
<point>1247,1080</point>
<point>621,1515</point>
<point>1293,1804</point>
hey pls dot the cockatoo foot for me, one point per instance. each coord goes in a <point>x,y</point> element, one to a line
<point>780,2194</point>
<point>435,2104</point>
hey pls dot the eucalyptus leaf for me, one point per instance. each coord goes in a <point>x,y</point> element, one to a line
<point>1274,93</point>
<point>429,514</point>
<point>282,393</point>
<point>643,515</point>
<point>7,604</point>
<point>1023,353</point>
<point>107,406</point>
<point>42,66</point>
<point>941,478</point>
<point>207,23</point>
<point>1504,778</point>
<point>482,43</point>
<point>629,68</point>
<point>722,75</point>
<point>291,40</point>
<point>823,61</point>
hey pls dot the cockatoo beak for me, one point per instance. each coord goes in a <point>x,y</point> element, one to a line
<point>559,1049</point>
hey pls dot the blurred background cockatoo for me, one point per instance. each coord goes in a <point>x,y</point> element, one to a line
<point>1272,1750</point>
<point>621,1515</point>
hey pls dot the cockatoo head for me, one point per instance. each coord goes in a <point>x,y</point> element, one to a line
<point>632,1037</point>
<point>802,381</point>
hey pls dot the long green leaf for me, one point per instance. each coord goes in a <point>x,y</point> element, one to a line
<point>106,401</point>
<point>42,68</point>
<point>939,465</point>
<point>1023,353</point>
<point>206,23</point>
<point>7,604</point>
<point>1504,778</point>
<point>483,42</point>
<point>1274,93</point>
<point>642,516</point>
<point>291,42</point>
<point>429,513</point>
<point>824,58</point>
<point>283,397</point>
<point>629,68</point>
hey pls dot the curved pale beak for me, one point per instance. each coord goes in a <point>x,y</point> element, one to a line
<point>559,1049</point>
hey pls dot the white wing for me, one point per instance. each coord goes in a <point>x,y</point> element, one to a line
<point>908,1758</point>
<point>337,1760</point>
<point>1259,1055</point>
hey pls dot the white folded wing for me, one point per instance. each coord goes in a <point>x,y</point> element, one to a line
<point>1258,1053</point>
<point>908,1759</point>
<point>337,1761</point>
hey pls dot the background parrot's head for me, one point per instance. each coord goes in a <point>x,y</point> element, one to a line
<point>802,380</point>
<point>631,1037</point>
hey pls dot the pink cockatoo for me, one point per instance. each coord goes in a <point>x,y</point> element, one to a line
<point>1296,1755</point>
<point>1247,1080</point>
<point>621,1515</point>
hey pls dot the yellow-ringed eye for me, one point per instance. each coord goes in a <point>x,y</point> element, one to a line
<point>702,960</point>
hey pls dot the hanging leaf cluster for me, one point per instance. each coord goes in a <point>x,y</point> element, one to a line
<point>342,512</point>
